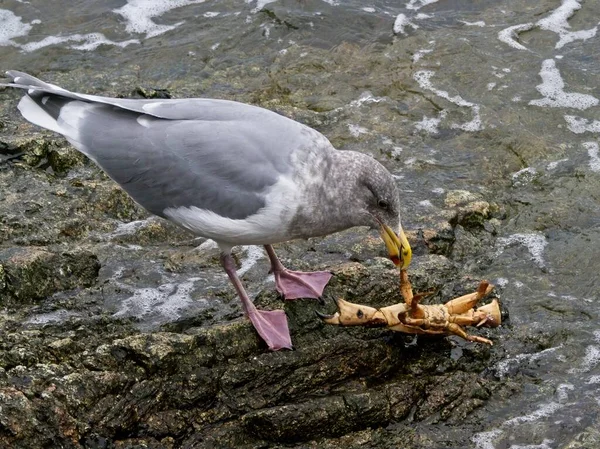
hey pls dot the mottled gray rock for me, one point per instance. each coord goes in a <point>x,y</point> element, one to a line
<point>28,274</point>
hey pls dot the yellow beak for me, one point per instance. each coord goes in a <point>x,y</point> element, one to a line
<point>397,246</point>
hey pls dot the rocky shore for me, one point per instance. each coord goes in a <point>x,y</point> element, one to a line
<point>76,374</point>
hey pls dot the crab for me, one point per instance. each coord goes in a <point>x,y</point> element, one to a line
<point>414,318</point>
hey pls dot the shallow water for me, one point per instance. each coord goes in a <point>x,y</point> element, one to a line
<point>500,98</point>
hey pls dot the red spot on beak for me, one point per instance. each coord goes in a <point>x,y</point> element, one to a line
<point>396,260</point>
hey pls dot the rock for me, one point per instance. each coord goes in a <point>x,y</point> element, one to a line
<point>151,92</point>
<point>118,386</point>
<point>53,154</point>
<point>590,437</point>
<point>28,274</point>
<point>455,198</point>
<point>473,214</point>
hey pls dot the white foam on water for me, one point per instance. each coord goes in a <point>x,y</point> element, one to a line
<point>501,282</point>
<point>554,164</point>
<point>118,274</point>
<point>544,411</point>
<point>534,242</point>
<point>426,203</point>
<point>266,27</point>
<point>490,86</point>
<point>423,78</point>
<point>260,4</point>
<point>552,88</point>
<point>580,125</point>
<point>545,444</point>
<point>430,125</point>
<point>57,316</point>
<point>479,23</point>
<point>168,300</point>
<point>356,130</point>
<point>557,22</point>
<point>366,98</point>
<point>410,161</point>
<point>590,360</point>
<point>89,42</point>
<point>502,368</point>
<point>131,247</point>
<point>485,440</point>
<point>592,149</point>
<point>511,34</point>
<point>92,41</point>
<point>139,15</point>
<point>253,254</point>
<point>420,53</point>
<point>594,379</point>
<point>210,14</point>
<point>11,27</point>
<point>368,9</point>
<point>438,191</point>
<point>562,392</point>
<point>567,37</point>
<point>524,176</point>
<point>422,16</point>
<point>401,23</point>
<point>418,4</point>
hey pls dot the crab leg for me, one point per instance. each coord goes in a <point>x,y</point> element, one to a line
<point>464,303</point>
<point>488,315</point>
<point>457,330</point>
<point>406,289</point>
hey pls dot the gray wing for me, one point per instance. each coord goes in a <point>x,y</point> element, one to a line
<point>213,154</point>
<point>222,166</point>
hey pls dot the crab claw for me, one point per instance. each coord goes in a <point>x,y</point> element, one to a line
<point>350,314</point>
<point>493,316</point>
<point>329,319</point>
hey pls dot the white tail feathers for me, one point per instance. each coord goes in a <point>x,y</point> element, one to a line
<point>32,112</point>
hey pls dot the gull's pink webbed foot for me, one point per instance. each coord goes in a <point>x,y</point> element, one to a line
<point>297,284</point>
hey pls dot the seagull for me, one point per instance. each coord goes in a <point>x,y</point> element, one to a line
<point>231,172</point>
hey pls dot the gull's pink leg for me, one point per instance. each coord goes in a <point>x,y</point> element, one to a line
<point>271,325</point>
<point>296,284</point>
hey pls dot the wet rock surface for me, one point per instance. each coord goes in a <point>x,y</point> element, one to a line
<point>75,373</point>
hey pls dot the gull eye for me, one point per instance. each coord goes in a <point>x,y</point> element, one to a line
<point>383,204</point>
